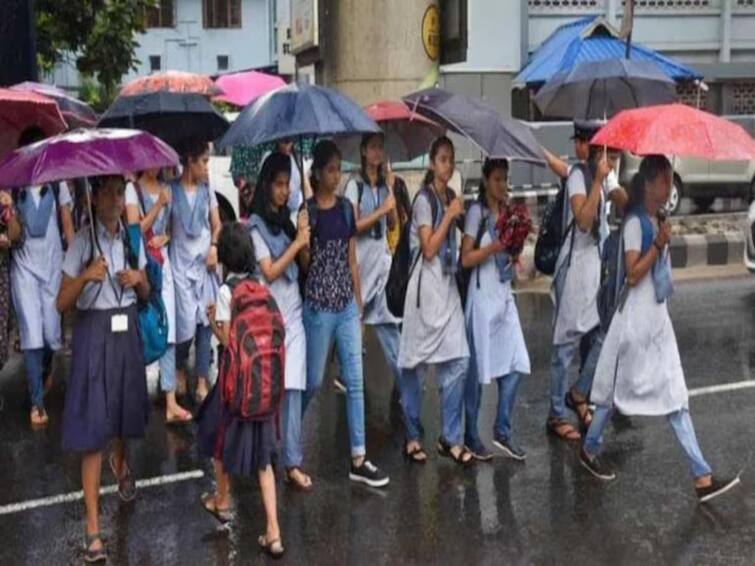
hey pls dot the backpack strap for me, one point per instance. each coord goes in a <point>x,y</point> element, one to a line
<point>348,212</point>
<point>360,192</point>
<point>478,237</point>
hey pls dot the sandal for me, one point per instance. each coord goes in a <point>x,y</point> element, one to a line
<point>223,516</point>
<point>563,429</point>
<point>183,417</point>
<point>300,485</point>
<point>126,484</point>
<point>580,408</point>
<point>38,418</point>
<point>91,555</point>
<point>463,458</point>
<point>416,455</point>
<point>274,548</point>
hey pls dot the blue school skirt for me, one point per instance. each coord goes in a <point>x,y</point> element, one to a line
<point>244,447</point>
<point>106,393</point>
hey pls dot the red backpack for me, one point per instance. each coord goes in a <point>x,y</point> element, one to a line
<point>253,363</point>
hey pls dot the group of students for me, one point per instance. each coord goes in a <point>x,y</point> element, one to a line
<point>325,260</point>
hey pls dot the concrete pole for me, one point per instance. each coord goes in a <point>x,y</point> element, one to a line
<point>612,12</point>
<point>725,53</point>
<point>374,50</point>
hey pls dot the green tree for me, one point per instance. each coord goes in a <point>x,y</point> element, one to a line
<point>99,36</point>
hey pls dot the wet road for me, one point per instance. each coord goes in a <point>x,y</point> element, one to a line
<point>547,511</point>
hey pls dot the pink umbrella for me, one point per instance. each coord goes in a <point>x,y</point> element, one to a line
<point>22,110</point>
<point>241,88</point>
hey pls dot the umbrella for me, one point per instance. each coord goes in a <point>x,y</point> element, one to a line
<point>77,114</point>
<point>296,111</point>
<point>676,129</point>
<point>85,153</point>
<point>172,81</point>
<point>602,88</point>
<point>408,135</point>
<point>241,88</point>
<point>170,116</point>
<point>494,135</point>
<point>22,110</point>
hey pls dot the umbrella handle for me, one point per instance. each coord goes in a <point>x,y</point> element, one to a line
<point>90,211</point>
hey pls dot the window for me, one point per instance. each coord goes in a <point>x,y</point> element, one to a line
<point>222,62</point>
<point>154,63</point>
<point>162,15</point>
<point>221,13</point>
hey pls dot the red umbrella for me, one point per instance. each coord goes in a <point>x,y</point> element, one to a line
<point>172,81</point>
<point>240,89</point>
<point>676,129</point>
<point>77,114</point>
<point>22,110</point>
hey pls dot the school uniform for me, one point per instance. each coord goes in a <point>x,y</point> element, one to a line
<point>243,446</point>
<point>433,331</point>
<point>496,341</point>
<point>160,227</point>
<point>194,286</point>
<point>639,370</point>
<point>285,291</point>
<point>106,393</point>
<point>35,281</point>
<point>374,259</point>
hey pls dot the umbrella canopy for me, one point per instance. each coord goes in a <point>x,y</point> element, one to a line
<point>496,136</point>
<point>22,110</point>
<point>172,81</point>
<point>677,129</point>
<point>408,135</point>
<point>296,111</point>
<point>172,117</point>
<point>85,153</point>
<point>78,114</point>
<point>240,89</point>
<point>603,88</point>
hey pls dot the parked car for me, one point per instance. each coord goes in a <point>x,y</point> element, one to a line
<point>750,239</point>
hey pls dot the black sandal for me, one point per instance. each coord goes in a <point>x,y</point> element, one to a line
<point>223,516</point>
<point>93,556</point>
<point>416,455</point>
<point>445,450</point>
<point>274,548</point>
<point>126,484</point>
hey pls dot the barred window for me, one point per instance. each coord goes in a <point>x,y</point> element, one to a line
<point>743,95</point>
<point>674,4</point>
<point>688,92</point>
<point>563,5</point>
<point>162,15</point>
<point>221,13</point>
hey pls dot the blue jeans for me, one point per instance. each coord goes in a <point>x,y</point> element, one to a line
<point>168,369</point>
<point>202,349</point>
<point>680,422</point>
<point>344,327</point>
<point>388,335</point>
<point>450,377</point>
<point>508,386</point>
<point>292,414</point>
<point>561,361</point>
<point>38,364</point>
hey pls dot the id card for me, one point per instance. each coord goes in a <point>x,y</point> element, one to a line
<point>119,323</point>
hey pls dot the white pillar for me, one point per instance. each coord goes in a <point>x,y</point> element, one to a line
<point>612,12</point>
<point>725,53</point>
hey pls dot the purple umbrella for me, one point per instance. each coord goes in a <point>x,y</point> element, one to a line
<point>77,114</point>
<point>85,153</point>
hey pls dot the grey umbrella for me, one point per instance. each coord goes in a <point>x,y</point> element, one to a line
<point>496,136</point>
<point>600,89</point>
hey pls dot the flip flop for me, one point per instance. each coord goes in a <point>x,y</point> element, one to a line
<point>223,516</point>
<point>186,417</point>
<point>295,483</point>
<point>274,548</point>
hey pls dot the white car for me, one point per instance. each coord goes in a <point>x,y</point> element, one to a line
<point>750,239</point>
<point>222,183</point>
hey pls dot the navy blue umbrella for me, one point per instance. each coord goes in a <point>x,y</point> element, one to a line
<point>496,136</point>
<point>297,111</point>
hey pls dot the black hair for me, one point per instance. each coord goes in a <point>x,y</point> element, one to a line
<point>190,149</point>
<point>651,167</point>
<point>30,135</point>
<point>439,142</point>
<point>488,167</point>
<point>324,152</point>
<point>235,248</point>
<point>366,138</point>
<point>274,164</point>
<point>97,183</point>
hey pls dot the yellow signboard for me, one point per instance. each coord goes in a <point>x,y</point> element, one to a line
<point>431,32</point>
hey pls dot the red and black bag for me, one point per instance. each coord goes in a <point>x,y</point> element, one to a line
<point>253,364</point>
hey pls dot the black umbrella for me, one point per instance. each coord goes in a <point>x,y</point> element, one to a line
<point>600,89</point>
<point>496,136</point>
<point>170,116</point>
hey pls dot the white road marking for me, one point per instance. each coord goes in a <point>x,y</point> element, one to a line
<point>110,489</point>
<point>722,388</point>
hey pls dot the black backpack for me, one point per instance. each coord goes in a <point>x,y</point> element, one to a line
<point>463,275</point>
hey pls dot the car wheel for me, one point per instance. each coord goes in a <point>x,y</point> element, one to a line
<point>704,203</point>
<point>675,198</point>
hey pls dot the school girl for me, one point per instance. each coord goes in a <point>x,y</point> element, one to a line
<point>106,393</point>
<point>35,279</point>
<point>433,332</point>
<point>10,232</point>
<point>194,226</point>
<point>372,196</point>
<point>639,371</point>
<point>238,447</point>
<point>148,203</point>
<point>333,302</point>
<point>575,289</point>
<point>498,352</point>
<point>277,245</point>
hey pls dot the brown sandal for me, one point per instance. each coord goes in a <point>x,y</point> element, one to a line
<point>580,408</point>
<point>563,429</point>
